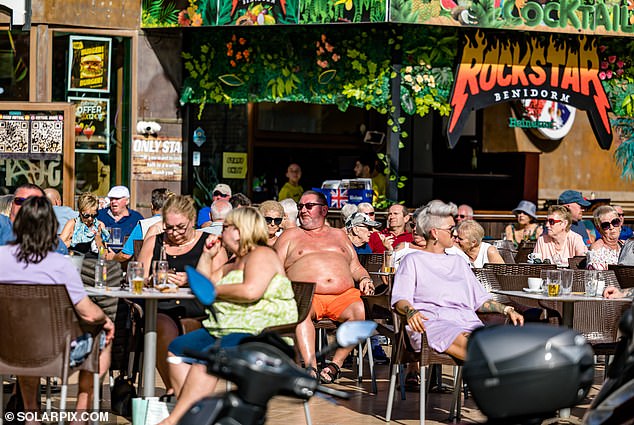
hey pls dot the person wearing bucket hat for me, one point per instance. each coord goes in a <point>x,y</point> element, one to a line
<point>575,202</point>
<point>526,228</point>
<point>359,227</point>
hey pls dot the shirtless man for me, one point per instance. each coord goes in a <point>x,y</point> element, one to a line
<point>315,252</point>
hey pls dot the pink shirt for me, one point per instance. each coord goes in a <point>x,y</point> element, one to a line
<point>572,246</point>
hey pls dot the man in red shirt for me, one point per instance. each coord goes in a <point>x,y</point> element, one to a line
<point>394,232</point>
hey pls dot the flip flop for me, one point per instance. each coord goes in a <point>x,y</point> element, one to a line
<point>330,373</point>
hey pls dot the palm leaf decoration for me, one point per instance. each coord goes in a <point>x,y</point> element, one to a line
<point>158,13</point>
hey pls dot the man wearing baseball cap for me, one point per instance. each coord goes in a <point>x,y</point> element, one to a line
<point>575,203</point>
<point>358,228</point>
<point>221,191</point>
<point>118,215</point>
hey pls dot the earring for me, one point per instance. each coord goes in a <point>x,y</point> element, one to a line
<point>436,241</point>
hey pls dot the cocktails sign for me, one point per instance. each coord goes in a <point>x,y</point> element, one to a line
<point>495,69</point>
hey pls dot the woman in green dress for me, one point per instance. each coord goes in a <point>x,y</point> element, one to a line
<point>252,292</point>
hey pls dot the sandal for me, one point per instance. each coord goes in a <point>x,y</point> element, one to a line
<point>313,372</point>
<point>330,373</point>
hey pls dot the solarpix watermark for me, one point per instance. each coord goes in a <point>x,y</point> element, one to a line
<point>69,416</point>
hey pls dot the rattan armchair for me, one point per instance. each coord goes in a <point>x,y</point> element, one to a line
<point>525,248</point>
<point>624,275</point>
<point>39,323</point>
<point>531,270</point>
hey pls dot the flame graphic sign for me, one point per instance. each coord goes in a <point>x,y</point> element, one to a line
<point>496,69</point>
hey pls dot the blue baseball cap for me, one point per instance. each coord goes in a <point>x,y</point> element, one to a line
<point>572,196</point>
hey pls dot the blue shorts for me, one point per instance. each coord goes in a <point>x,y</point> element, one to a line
<point>201,339</point>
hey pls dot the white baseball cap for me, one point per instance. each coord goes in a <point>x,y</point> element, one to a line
<point>119,192</point>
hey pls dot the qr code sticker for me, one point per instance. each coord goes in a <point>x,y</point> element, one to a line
<point>14,136</point>
<point>47,137</point>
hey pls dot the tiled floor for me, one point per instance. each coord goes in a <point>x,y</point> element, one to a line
<point>365,408</point>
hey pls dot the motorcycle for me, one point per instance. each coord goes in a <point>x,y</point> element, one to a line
<point>261,368</point>
<point>524,375</point>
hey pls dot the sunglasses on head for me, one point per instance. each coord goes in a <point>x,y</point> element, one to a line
<point>219,193</point>
<point>309,205</point>
<point>276,220</point>
<point>18,201</point>
<point>88,215</point>
<point>553,221</point>
<point>616,222</point>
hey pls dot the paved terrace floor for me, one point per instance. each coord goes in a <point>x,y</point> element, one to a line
<point>363,408</point>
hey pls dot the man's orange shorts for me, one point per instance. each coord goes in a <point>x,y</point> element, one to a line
<point>331,306</point>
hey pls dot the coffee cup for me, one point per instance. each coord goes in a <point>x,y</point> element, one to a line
<point>534,283</point>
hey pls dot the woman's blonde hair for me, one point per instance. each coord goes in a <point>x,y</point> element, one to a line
<point>252,227</point>
<point>87,202</point>
<point>267,206</point>
<point>564,212</point>
<point>471,230</point>
<point>602,210</point>
<point>5,204</point>
<point>180,204</point>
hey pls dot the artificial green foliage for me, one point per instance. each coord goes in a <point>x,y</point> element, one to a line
<point>159,13</point>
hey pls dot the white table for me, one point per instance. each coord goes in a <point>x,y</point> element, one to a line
<point>151,297</point>
<point>568,301</point>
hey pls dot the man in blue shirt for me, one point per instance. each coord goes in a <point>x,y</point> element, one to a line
<point>6,224</point>
<point>159,196</point>
<point>575,203</point>
<point>221,191</point>
<point>118,215</point>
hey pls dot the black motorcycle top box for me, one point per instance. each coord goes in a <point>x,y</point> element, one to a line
<point>530,371</point>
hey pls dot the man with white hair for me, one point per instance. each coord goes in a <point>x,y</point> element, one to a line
<point>221,191</point>
<point>465,212</point>
<point>219,210</point>
<point>290,213</point>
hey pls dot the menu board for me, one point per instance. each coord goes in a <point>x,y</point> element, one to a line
<point>157,158</point>
<point>31,134</point>
<point>92,124</point>
<point>89,64</point>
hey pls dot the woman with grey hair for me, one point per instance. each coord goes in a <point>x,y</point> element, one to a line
<point>606,250</point>
<point>438,293</point>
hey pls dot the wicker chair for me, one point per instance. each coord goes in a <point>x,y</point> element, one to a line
<point>525,248</point>
<point>578,262</point>
<point>426,357</point>
<point>39,323</point>
<point>624,275</point>
<point>508,255</point>
<point>530,270</point>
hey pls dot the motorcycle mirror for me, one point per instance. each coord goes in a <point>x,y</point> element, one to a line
<point>201,287</point>
<point>353,332</point>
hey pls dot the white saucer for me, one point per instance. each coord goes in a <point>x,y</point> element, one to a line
<point>532,291</point>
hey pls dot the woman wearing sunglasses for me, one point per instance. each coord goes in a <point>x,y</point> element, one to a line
<point>560,243</point>
<point>606,250</point>
<point>273,213</point>
<point>85,233</point>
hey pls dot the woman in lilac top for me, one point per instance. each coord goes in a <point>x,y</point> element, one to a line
<point>439,293</point>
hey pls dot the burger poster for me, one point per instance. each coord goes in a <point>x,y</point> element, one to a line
<point>91,124</point>
<point>89,64</point>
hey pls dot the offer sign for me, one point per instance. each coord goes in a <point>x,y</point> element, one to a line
<point>92,124</point>
<point>89,64</point>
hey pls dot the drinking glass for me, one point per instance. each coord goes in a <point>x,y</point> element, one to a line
<point>553,282</point>
<point>388,262</point>
<point>159,272</point>
<point>566,281</point>
<point>134,277</point>
<point>592,280</point>
<point>116,235</point>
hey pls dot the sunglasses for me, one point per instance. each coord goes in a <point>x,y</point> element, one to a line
<point>450,230</point>
<point>553,221</point>
<point>309,205</point>
<point>616,222</point>
<point>219,193</point>
<point>455,236</point>
<point>87,215</point>
<point>461,216</point>
<point>370,213</point>
<point>18,201</point>
<point>276,220</point>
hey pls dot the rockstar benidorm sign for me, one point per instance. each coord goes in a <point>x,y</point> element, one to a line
<point>495,69</point>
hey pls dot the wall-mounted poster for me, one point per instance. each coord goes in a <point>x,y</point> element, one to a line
<point>89,64</point>
<point>234,165</point>
<point>32,134</point>
<point>92,124</point>
<point>157,158</point>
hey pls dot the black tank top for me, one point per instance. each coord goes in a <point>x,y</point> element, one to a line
<point>178,262</point>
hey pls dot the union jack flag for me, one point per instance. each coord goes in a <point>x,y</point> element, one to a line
<point>338,198</point>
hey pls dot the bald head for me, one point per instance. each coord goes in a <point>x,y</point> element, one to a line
<point>220,209</point>
<point>53,196</point>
